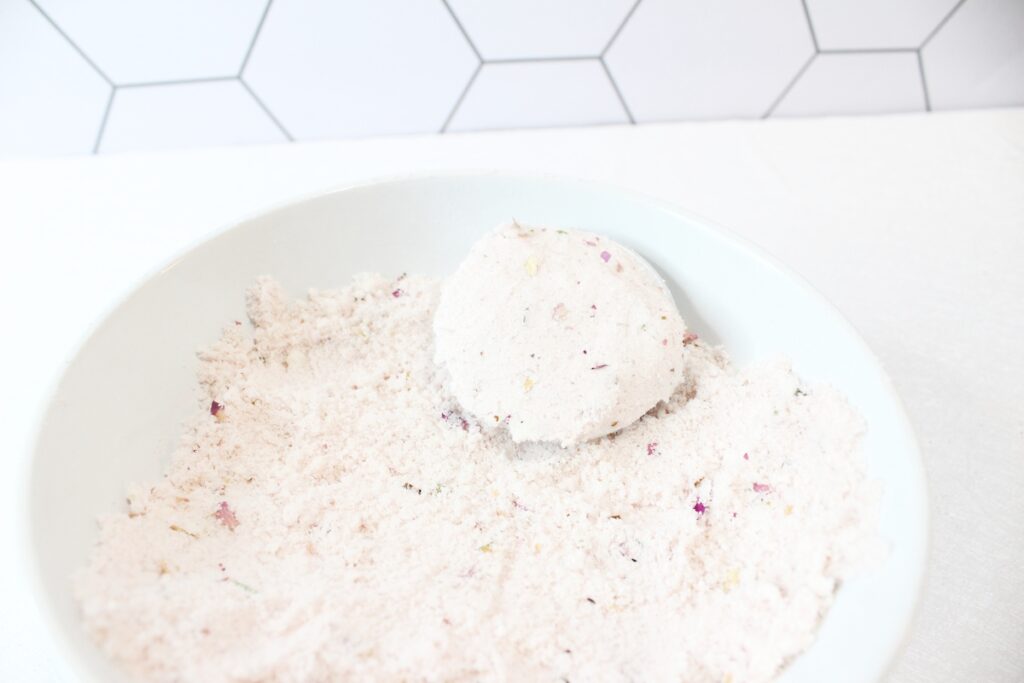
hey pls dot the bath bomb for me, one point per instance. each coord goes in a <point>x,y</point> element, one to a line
<point>560,335</point>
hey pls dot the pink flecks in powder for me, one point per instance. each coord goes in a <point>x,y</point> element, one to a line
<point>215,408</point>
<point>746,456</point>
<point>599,366</point>
<point>664,342</point>
<point>226,516</point>
<point>652,448</point>
<point>451,418</point>
<point>397,293</point>
<point>605,256</point>
<point>689,338</point>
<point>762,488</point>
<point>590,243</point>
<point>120,601</point>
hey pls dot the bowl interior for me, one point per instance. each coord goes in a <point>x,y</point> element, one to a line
<point>115,415</point>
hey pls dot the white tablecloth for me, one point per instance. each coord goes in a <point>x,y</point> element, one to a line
<point>912,225</point>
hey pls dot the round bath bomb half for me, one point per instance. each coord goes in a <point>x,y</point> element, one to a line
<point>562,335</point>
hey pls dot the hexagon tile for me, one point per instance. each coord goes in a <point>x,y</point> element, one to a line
<point>339,69</point>
<point>977,58</point>
<point>140,41</point>
<point>516,29</point>
<point>856,83</point>
<point>872,24</point>
<point>51,100</point>
<point>692,59</point>
<point>532,94</point>
<point>144,74</point>
<point>186,115</point>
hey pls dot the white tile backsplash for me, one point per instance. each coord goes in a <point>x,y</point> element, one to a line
<point>533,94</point>
<point>205,72</point>
<point>331,69</point>
<point>51,101</point>
<point>516,29</point>
<point>186,115</point>
<point>141,41</point>
<point>693,59</point>
<point>977,58</point>
<point>859,83</point>
<point>871,24</point>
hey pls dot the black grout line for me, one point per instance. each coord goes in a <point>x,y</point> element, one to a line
<point>103,121</point>
<point>810,26</point>
<point>258,101</point>
<point>924,82</point>
<point>72,43</point>
<point>462,96</point>
<point>179,81</point>
<point>618,93</point>
<point>789,87</point>
<point>867,50</point>
<point>527,60</point>
<point>465,33</point>
<point>255,35</point>
<point>942,23</point>
<point>622,25</point>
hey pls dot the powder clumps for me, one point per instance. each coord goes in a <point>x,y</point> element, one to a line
<point>338,517</point>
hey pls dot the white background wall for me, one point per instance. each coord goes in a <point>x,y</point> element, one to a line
<point>82,76</point>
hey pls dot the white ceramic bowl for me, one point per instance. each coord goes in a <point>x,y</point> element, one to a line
<point>115,414</point>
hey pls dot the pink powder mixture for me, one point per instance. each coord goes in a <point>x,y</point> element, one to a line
<point>330,515</point>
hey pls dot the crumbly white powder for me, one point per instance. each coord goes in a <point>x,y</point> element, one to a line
<point>338,519</point>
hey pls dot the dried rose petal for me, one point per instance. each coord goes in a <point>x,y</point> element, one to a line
<point>689,338</point>
<point>664,342</point>
<point>746,456</point>
<point>226,516</point>
<point>762,488</point>
<point>652,448</point>
<point>699,507</point>
<point>605,256</point>
<point>599,366</point>
<point>215,408</point>
<point>397,293</point>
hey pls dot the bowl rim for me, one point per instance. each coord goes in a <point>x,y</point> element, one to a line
<point>46,609</point>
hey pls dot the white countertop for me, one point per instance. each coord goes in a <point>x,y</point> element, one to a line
<point>912,225</point>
